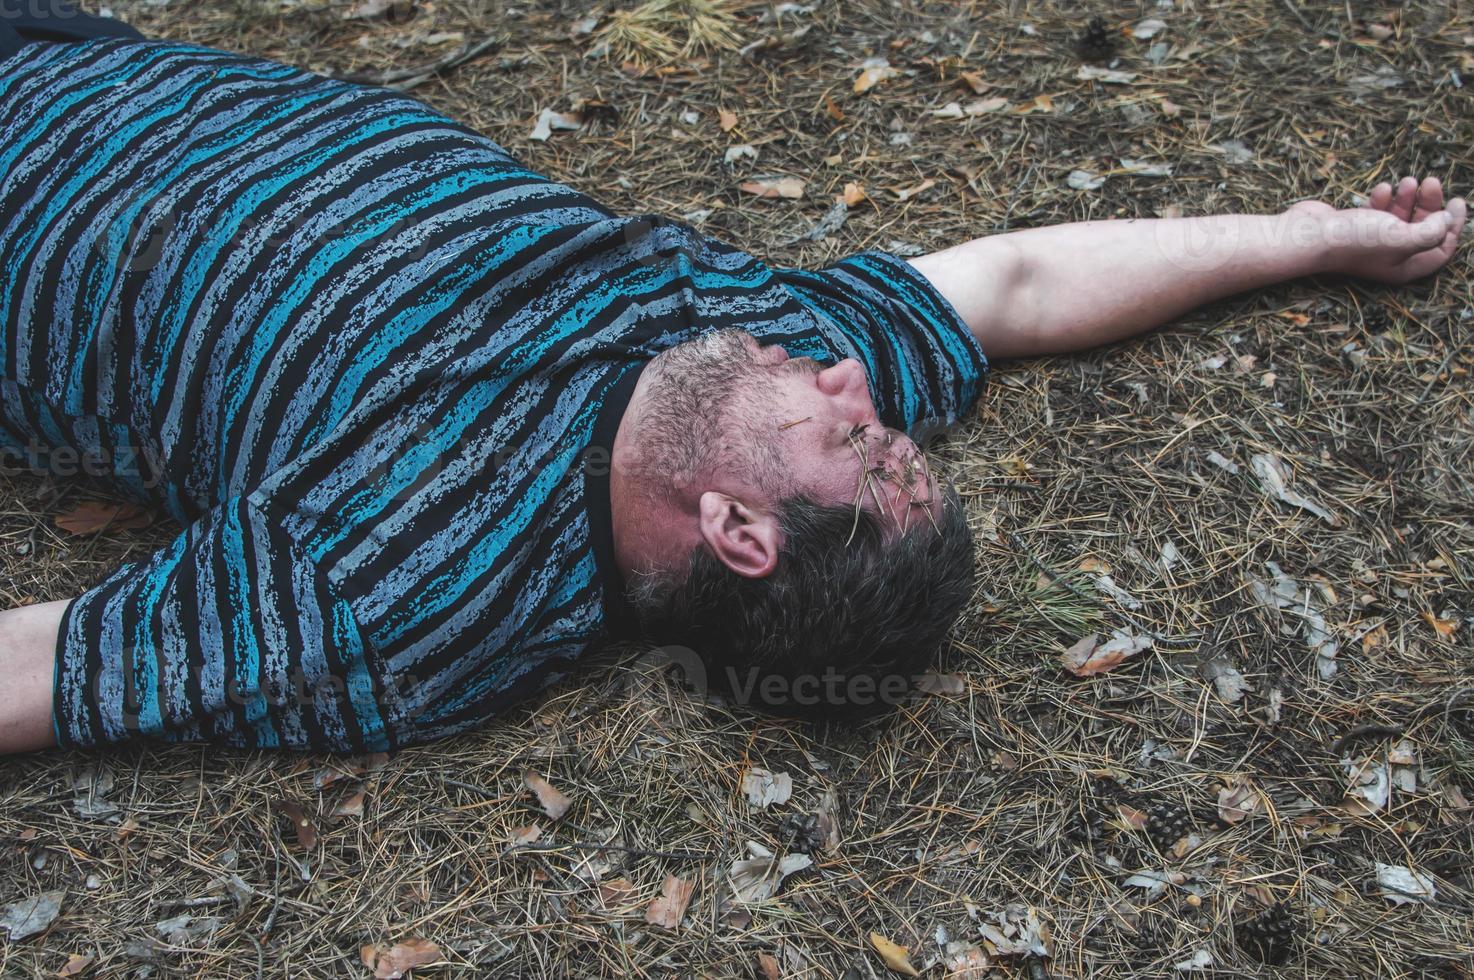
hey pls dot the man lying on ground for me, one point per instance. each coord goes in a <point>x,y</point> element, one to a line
<point>436,425</point>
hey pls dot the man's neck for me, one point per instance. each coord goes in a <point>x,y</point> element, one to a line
<point>652,531</point>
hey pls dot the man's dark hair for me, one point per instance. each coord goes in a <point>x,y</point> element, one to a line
<point>843,624</point>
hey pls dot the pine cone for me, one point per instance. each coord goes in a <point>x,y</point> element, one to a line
<point>1269,936</point>
<point>1167,822</point>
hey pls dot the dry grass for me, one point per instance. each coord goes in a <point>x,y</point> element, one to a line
<point>1011,792</point>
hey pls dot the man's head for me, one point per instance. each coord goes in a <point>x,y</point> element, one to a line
<point>766,519</point>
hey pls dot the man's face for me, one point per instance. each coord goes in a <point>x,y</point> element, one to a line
<point>827,439</point>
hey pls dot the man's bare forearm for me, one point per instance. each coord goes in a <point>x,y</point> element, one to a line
<point>1076,286</point>
<point>1071,287</point>
<point>28,640</point>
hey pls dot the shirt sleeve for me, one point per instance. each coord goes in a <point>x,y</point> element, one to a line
<point>229,634</point>
<point>925,367</point>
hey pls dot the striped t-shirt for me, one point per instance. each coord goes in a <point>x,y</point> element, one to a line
<point>363,356</point>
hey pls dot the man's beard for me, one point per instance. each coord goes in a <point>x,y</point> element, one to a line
<point>705,411</point>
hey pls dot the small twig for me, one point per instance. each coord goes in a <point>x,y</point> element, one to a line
<point>1363,731</point>
<point>633,851</point>
<point>407,78</point>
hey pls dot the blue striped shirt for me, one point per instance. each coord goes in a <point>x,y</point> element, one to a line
<point>362,355</point>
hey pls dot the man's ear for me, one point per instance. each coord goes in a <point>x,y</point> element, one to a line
<point>744,539</point>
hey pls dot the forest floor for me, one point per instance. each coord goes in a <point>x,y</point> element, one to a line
<point>1279,785</point>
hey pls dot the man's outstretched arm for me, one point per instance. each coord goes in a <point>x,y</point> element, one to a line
<point>28,638</point>
<point>1075,286</point>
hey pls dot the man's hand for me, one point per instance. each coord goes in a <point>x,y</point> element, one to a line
<point>1399,235</point>
<point>1071,287</point>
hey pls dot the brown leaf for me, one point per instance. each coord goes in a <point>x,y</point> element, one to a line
<point>1086,658</point>
<point>906,194</point>
<point>404,956</point>
<point>897,958</point>
<point>1078,655</point>
<point>95,516</point>
<point>974,80</point>
<point>1443,627</point>
<point>350,806</point>
<point>306,832</point>
<point>1132,817</point>
<point>554,803</point>
<point>787,187</point>
<point>525,835</point>
<point>994,103</point>
<point>616,892</point>
<point>668,907</point>
<point>873,75</point>
<point>727,119</point>
<point>74,965</point>
<point>853,193</point>
<point>768,964</point>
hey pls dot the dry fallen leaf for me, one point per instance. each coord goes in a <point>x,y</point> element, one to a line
<point>872,73</point>
<point>554,803</point>
<point>394,963</point>
<point>669,906</point>
<point>906,194</point>
<point>350,806</point>
<point>1237,799</point>
<point>548,120</point>
<point>1274,479</point>
<point>1401,885</point>
<point>74,965</point>
<point>1089,657</point>
<point>1132,817</point>
<point>996,103</point>
<point>897,958</point>
<point>974,80</point>
<point>726,119</point>
<point>966,962</point>
<point>31,915</point>
<point>616,892</point>
<point>1443,627</point>
<point>764,788</point>
<point>392,10</point>
<point>791,188</point>
<point>95,516</point>
<point>758,877</point>
<point>306,832</point>
<point>524,835</point>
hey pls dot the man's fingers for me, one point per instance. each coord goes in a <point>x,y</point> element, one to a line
<point>1380,197</point>
<point>1405,198</point>
<point>1430,197</point>
<point>1458,213</point>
